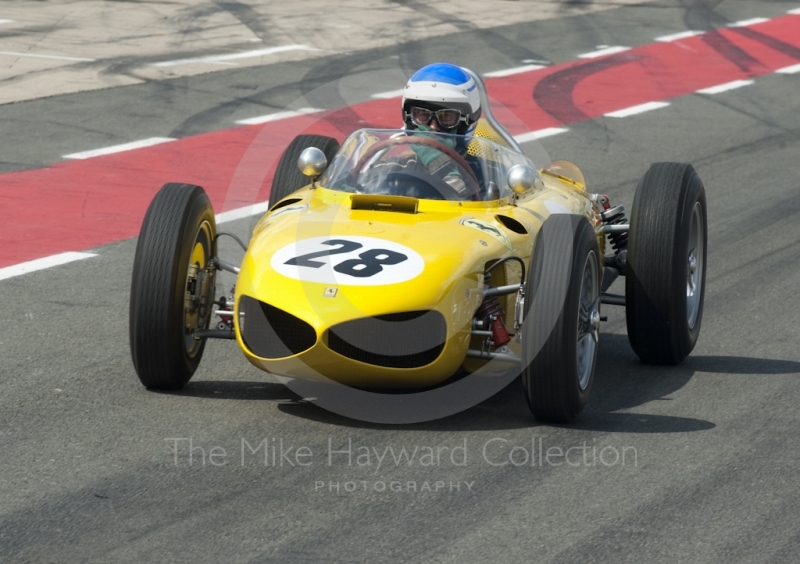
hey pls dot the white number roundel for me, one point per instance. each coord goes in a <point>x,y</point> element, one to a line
<point>348,261</point>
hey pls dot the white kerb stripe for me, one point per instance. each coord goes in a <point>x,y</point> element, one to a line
<point>725,87</point>
<point>119,148</point>
<point>240,213</point>
<point>515,70</point>
<point>681,35</point>
<point>42,263</point>
<point>54,57</point>
<point>789,70</point>
<point>602,52</point>
<point>640,109</point>
<point>745,23</point>
<point>235,56</point>
<point>277,116</point>
<point>390,94</point>
<point>539,134</point>
<point>795,11</point>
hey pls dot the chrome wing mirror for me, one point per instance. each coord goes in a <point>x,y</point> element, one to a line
<point>522,178</point>
<point>312,162</point>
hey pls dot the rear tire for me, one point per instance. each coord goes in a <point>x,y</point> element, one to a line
<point>666,264</point>
<point>288,177</point>
<point>172,291</point>
<point>557,381</point>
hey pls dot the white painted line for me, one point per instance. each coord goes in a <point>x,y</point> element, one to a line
<point>604,51</point>
<point>54,57</point>
<point>640,109</point>
<point>515,70</point>
<point>681,35</point>
<point>235,56</point>
<point>796,11</point>
<point>537,62</point>
<point>539,134</point>
<point>6,21</point>
<point>119,148</point>
<point>390,94</point>
<point>725,87</point>
<point>277,116</point>
<point>745,23</point>
<point>42,263</point>
<point>789,70</point>
<point>240,213</point>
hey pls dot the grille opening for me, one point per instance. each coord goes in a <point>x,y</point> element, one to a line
<point>397,340</point>
<point>344,348</point>
<point>269,332</point>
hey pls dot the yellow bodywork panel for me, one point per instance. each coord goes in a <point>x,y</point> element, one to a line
<point>455,241</point>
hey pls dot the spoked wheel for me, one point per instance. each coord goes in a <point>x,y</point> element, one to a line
<point>695,265</point>
<point>588,321</point>
<point>562,319</point>
<point>172,290</point>
<point>666,264</point>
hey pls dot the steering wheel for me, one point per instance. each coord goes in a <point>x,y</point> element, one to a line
<point>471,180</point>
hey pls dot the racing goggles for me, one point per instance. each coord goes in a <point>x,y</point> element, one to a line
<point>447,119</point>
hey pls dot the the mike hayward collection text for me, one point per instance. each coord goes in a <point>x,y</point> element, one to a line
<point>498,452</point>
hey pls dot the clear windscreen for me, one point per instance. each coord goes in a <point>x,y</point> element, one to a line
<point>426,165</point>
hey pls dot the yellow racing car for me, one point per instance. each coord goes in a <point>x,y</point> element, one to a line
<point>377,271</point>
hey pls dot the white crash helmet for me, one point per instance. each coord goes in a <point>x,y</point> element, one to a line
<point>443,86</point>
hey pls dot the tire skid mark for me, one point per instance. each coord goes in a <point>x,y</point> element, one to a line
<point>247,16</point>
<point>342,119</point>
<point>436,14</point>
<point>703,15</point>
<point>733,53</point>
<point>769,41</point>
<point>553,93</point>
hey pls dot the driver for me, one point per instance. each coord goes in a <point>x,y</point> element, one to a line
<point>442,97</point>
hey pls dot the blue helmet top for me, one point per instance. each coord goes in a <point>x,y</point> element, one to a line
<point>443,86</point>
<point>442,72</point>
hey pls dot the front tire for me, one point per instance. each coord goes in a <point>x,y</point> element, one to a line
<point>173,287</point>
<point>563,312</point>
<point>666,264</point>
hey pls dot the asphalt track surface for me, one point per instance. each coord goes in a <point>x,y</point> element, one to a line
<point>711,466</point>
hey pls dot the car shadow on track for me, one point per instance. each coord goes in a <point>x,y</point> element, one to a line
<point>236,390</point>
<point>622,383</point>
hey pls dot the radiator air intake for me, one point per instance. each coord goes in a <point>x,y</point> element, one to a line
<point>269,332</point>
<point>397,340</point>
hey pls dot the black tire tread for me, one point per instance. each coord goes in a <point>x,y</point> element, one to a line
<point>551,394</point>
<point>156,346</point>
<point>657,328</point>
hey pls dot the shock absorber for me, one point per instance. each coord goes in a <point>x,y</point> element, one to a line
<point>491,311</point>
<point>616,216</point>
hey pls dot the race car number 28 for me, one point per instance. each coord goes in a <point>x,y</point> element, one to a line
<point>357,261</point>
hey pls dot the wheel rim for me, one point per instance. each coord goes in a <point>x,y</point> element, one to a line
<point>588,320</point>
<point>197,284</point>
<point>695,259</point>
